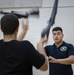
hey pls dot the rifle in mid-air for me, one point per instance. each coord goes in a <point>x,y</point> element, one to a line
<point>26,15</point>
<point>51,21</point>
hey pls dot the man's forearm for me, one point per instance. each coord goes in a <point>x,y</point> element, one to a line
<point>66,61</point>
<point>40,49</point>
<point>21,36</point>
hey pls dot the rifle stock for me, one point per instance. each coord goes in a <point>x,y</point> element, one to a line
<point>51,21</point>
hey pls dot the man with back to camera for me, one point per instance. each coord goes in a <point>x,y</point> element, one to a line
<point>18,57</point>
<point>60,54</point>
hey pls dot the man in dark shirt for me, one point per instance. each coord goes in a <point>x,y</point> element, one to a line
<point>60,54</point>
<point>18,57</point>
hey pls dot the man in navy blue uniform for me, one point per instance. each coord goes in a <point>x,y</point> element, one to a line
<point>60,54</point>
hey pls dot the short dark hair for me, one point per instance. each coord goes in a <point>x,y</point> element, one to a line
<point>57,28</point>
<point>9,23</point>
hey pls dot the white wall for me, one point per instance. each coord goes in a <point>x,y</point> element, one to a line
<point>64,18</point>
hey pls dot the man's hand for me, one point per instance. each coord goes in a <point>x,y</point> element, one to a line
<point>44,39</point>
<point>24,29</point>
<point>24,25</point>
<point>52,59</point>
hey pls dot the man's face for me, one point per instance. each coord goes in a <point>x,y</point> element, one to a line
<point>57,36</point>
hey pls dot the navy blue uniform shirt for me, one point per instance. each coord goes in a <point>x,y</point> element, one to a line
<point>63,51</point>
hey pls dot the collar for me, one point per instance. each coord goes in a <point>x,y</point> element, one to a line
<point>60,45</point>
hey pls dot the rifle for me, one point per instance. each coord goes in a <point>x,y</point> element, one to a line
<point>26,15</point>
<point>51,21</point>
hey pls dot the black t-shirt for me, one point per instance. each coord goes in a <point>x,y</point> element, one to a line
<point>18,57</point>
<point>61,52</point>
